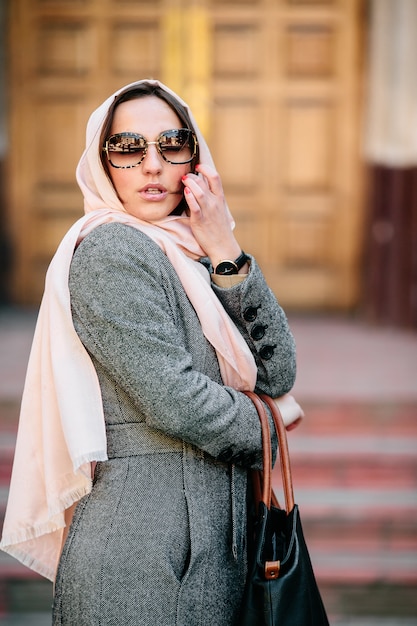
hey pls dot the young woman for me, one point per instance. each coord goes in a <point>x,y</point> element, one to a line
<point>153,323</point>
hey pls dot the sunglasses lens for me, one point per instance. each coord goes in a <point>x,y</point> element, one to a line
<point>126,149</point>
<point>129,149</point>
<point>177,146</point>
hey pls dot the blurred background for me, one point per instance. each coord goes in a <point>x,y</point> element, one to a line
<point>310,108</point>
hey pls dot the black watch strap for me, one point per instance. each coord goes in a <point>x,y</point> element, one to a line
<point>227,268</point>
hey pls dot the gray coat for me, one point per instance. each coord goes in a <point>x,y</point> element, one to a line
<point>160,541</point>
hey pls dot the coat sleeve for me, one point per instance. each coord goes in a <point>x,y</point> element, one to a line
<point>262,322</point>
<point>127,318</point>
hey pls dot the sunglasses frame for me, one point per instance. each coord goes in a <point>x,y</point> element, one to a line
<point>156,143</point>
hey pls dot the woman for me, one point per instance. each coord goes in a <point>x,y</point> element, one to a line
<point>148,385</point>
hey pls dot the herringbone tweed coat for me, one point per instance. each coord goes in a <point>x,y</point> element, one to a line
<point>160,541</point>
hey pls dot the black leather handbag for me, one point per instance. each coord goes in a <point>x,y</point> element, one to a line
<point>281,589</point>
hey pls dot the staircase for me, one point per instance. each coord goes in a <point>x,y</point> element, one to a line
<point>354,469</point>
<point>355,481</point>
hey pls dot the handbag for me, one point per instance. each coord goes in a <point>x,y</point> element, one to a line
<point>281,589</point>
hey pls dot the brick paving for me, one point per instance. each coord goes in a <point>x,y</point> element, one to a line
<point>354,461</point>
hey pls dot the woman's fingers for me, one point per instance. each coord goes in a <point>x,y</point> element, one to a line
<point>206,181</point>
<point>212,177</point>
<point>210,219</point>
<point>204,195</point>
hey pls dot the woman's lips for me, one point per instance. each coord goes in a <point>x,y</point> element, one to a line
<point>153,192</point>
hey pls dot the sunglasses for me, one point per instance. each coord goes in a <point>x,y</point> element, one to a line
<point>177,146</point>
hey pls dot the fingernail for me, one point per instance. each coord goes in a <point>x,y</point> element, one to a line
<point>184,177</point>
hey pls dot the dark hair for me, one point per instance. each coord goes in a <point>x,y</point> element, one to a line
<point>140,91</point>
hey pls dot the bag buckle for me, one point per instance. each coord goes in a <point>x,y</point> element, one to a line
<point>272,569</point>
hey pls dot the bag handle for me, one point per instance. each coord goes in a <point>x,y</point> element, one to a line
<point>265,495</point>
<point>283,451</point>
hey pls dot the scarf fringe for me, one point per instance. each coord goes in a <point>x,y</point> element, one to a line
<point>33,564</point>
<point>89,457</point>
<point>68,500</point>
<point>33,532</point>
<point>27,534</point>
<point>12,543</point>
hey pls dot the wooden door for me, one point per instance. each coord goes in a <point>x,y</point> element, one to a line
<point>66,57</point>
<point>274,83</point>
<point>286,135</point>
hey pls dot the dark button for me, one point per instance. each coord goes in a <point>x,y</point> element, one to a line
<point>266,352</point>
<point>258,332</point>
<point>250,314</point>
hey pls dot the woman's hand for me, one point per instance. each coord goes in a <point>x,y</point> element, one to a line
<point>291,412</point>
<point>210,219</point>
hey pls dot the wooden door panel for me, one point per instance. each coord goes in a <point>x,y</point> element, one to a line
<point>135,46</point>
<point>235,49</point>
<point>235,141</point>
<point>64,48</point>
<point>309,50</point>
<point>307,139</point>
<point>57,140</point>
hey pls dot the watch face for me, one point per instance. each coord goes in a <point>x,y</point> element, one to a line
<point>226,267</point>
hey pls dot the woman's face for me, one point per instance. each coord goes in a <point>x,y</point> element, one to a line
<point>153,189</point>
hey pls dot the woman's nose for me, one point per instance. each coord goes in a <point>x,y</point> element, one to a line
<point>153,161</point>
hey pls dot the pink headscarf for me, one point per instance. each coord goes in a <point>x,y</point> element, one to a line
<point>61,427</point>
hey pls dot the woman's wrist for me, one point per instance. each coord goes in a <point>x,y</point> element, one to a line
<point>231,261</point>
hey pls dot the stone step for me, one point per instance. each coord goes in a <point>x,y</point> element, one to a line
<point>356,505</point>
<point>357,419</point>
<point>364,567</point>
<point>345,462</point>
<point>379,533</point>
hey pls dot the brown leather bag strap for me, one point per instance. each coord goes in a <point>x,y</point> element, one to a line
<point>284,455</point>
<point>265,497</point>
<point>263,480</point>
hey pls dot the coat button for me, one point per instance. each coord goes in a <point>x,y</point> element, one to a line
<point>258,332</point>
<point>266,352</point>
<point>250,313</point>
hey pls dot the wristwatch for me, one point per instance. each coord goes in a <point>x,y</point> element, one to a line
<point>227,268</point>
